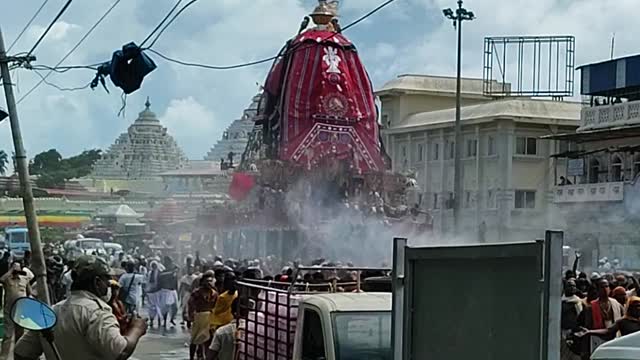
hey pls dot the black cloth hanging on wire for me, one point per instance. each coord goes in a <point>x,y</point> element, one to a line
<point>127,68</point>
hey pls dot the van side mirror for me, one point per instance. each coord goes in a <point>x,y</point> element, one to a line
<point>33,314</point>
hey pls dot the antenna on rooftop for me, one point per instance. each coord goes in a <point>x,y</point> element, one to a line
<point>613,44</point>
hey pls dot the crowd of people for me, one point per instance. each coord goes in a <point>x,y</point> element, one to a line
<point>597,308</point>
<point>106,297</point>
<point>113,294</point>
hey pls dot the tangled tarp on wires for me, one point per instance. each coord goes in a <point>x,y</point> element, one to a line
<point>127,69</point>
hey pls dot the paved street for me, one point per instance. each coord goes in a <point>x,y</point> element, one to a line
<point>163,345</point>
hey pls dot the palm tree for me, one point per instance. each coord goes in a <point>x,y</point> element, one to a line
<point>4,160</point>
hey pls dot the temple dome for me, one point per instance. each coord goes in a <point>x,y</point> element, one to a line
<point>143,152</point>
<point>236,136</point>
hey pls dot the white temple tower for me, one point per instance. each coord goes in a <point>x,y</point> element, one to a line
<point>143,152</point>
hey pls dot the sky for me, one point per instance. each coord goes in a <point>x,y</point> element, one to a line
<point>196,105</point>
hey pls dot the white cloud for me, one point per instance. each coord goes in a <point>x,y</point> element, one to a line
<point>59,31</point>
<point>591,21</point>
<point>384,51</point>
<point>191,123</point>
<point>235,31</point>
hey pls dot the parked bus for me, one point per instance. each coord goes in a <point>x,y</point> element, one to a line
<point>17,240</point>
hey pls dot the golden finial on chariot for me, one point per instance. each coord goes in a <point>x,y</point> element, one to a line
<point>324,13</point>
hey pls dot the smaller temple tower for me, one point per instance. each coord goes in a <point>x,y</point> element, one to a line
<point>236,136</point>
<point>143,152</point>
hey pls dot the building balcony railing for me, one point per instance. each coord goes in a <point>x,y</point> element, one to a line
<point>604,116</point>
<point>601,192</point>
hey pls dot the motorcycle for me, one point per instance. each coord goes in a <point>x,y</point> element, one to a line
<point>34,315</point>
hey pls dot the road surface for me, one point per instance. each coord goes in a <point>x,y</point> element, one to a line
<point>163,345</point>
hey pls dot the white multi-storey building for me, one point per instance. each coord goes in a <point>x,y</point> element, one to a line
<point>507,175</point>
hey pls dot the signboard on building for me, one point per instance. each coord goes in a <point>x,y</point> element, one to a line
<point>575,167</point>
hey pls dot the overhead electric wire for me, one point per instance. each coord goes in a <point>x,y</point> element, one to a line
<point>262,61</point>
<point>212,67</point>
<point>63,69</point>
<point>70,51</point>
<point>363,17</point>
<point>27,25</point>
<point>44,80</point>
<point>170,21</point>
<point>55,19</point>
<point>161,23</point>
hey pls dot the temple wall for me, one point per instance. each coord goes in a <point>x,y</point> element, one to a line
<point>58,204</point>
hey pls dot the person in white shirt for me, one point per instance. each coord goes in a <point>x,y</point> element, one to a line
<point>67,280</point>
<point>131,284</point>
<point>223,345</point>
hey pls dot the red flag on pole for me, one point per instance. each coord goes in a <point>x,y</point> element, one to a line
<point>241,185</point>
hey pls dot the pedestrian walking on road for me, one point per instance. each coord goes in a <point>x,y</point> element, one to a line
<point>201,303</point>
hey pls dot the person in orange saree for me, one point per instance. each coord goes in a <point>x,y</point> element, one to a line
<point>117,307</point>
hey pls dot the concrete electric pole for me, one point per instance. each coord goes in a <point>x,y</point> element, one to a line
<point>37,261</point>
<point>461,14</point>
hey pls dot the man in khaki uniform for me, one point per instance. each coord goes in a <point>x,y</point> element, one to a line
<point>16,285</point>
<point>86,327</point>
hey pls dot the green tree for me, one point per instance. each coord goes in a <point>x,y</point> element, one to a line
<point>53,171</point>
<point>45,162</point>
<point>4,161</point>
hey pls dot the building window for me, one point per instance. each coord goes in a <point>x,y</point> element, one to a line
<point>452,149</point>
<point>525,199</point>
<point>491,145</point>
<point>564,146</point>
<point>436,151</point>
<point>636,166</point>
<point>449,203</point>
<point>436,201</point>
<point>404,151</point>
<point>594,171</point>
<point>420,152</point>
<point>468,200</point>
<point>472,148</point>
<point>526,146</point>
<point>491,200</point>
<point>385,120</point>
<point>616,168</point>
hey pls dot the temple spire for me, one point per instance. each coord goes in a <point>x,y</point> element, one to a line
<point>147,104</point>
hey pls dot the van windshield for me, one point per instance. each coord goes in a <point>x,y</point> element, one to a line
<point>90,244</point>
<point>18,237</point>
<point>363,335</point>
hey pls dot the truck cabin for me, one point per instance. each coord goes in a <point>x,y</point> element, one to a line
<point>332,320</point>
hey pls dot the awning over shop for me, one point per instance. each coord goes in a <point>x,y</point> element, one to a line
<point>620,132</point>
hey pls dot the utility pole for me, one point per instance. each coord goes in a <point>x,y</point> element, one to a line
<point>37,256</point>
<point>461,14</point>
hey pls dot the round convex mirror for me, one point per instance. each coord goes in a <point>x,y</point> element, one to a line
<point>33,314</point>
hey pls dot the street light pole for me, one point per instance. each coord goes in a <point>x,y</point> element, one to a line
<point>37,259</point>
<point>461,14</point>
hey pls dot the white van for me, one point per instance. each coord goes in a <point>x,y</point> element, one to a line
<point>623,348</point>
<point>84,246</point>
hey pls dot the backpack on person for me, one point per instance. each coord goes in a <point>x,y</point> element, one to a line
<point>569,316</point>
<point>123,295</point>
